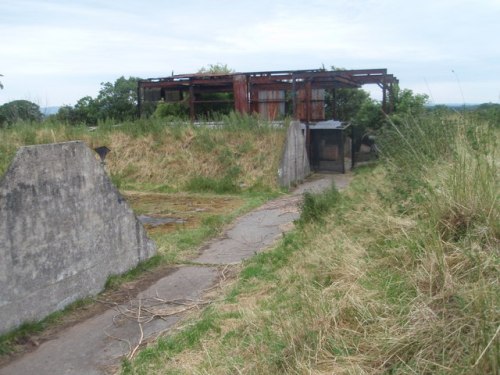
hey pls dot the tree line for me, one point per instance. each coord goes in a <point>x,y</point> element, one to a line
<point>117,102</point>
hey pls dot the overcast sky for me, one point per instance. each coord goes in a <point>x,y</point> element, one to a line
<point>56,52</point>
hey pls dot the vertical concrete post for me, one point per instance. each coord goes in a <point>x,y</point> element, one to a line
<point>294,165</point>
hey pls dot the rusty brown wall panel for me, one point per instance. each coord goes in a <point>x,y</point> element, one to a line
<point>308,104</point>
<point>271,104</point>
<point>301,109</point>
<point>317,105</point>
<point>254,100</point>
<point>240,91</point>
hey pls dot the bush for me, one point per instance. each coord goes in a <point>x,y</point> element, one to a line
<point>316,207</point>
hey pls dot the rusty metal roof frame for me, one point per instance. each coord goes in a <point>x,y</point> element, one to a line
<point>245,86</point>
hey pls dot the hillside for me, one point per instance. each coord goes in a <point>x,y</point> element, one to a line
<point>241,154</point>
<point>397,275</point>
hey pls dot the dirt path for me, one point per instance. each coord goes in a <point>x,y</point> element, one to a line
<point>98,344</point>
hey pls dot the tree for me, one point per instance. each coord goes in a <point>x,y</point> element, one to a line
<point>87,111</point>
<point>1,85</point>
<point>67,114</point>
<point>218,68</point>
<point>19,110</point>
<point>488,112</point>
<point>408,103</point>
<point>118,100</point>
<point>345,102</point>
<point>369,115</point>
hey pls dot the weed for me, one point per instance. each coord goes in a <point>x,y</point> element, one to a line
<point>200,184</point>
<point>116,280</point>
<point>315,207</point>
<point>154,152</point>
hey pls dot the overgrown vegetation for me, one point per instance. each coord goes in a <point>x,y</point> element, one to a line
<point>399,275</point>
<point>238,158</point>
<point>241,153</point>
<point>116,101</point>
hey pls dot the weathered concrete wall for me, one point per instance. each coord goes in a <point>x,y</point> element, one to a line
<point>294,163</point>
<point>64,228</point>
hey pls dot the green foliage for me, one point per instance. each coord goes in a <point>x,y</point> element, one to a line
<point>218,68</point>
<point>316,207</point>
<point>264,265</point>
<point>489,112</point>
<point>201,184</point>
<point>408,104</point>
<point>67,115</point>
<point>87,111</point>
<point>223,100</point>
<point>116,101</point>
<point>171,345</point>
<point>115,281</point>
<point>345,102</point>
<point>19,110</point>
<point>369,116</point>
<point>376,289</point>
<point>172,110</point>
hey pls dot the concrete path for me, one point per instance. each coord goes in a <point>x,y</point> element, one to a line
<point>97,345</point>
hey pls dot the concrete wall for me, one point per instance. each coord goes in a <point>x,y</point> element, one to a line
<point>294,163</point>
<point>64,228</point>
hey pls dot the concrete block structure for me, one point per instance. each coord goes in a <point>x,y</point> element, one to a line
<point>294,166</point>
<point>64,229</point>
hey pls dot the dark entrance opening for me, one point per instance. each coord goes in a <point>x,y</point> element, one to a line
<point>330,146</point>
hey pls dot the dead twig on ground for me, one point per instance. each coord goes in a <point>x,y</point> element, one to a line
<point>132,353</point>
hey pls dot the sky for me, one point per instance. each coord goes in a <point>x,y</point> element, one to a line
<point>55,52</point>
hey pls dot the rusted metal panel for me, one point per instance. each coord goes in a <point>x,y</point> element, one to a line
<point>254,100</point>
<point>267,90</point>
<point>191,103</point>
<point>300,105</point>
<point>317,104</point>
<point>271,104</point>
<point>240,91</point>
<point>152,94</point>
<point>310,104</point>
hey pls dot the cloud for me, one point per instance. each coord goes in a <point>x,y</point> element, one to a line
<point>59,41</point>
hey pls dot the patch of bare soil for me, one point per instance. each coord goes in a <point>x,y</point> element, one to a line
<point>189,210</point>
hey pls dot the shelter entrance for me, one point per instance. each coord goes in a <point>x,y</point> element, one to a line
<point>329,146</point>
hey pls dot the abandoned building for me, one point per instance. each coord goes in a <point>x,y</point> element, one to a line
<point>302,95</point>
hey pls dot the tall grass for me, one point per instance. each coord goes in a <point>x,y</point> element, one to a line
<point>399,276</point>
<point>240,152</point>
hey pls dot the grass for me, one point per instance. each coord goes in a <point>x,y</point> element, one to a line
<point>399,275</point>
<point>174,247</point>
<point>242,153</point>
<point>237,161</point>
